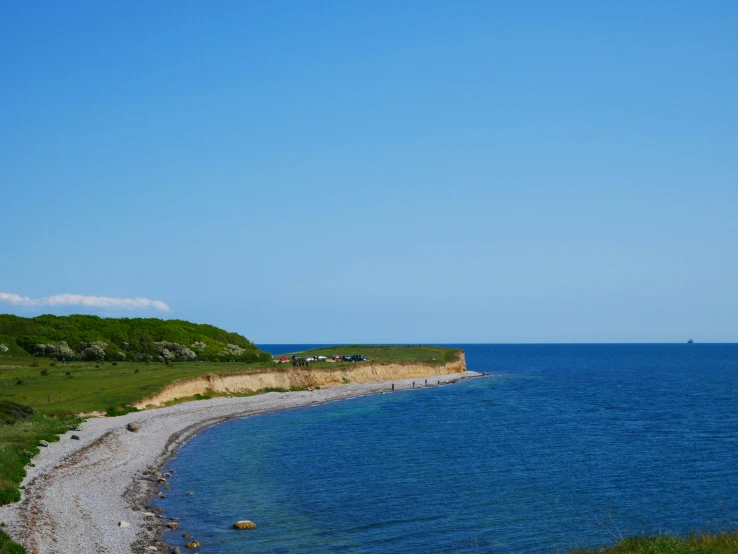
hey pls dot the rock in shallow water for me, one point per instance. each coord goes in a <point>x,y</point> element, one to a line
<point>244,524</point>
<point>193,544</point>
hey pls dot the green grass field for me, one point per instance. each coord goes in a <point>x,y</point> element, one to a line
<point>92,386</point>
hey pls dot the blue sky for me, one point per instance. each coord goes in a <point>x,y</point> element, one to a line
<point>376,171</point>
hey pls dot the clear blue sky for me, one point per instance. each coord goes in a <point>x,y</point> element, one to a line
<point>377,171</point>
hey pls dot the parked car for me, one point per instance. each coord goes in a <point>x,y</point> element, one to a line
<point>347,359</point>
<point>358,358</point>
<point>337,358</point>
<point>283,359</point>
<point>321,358</point>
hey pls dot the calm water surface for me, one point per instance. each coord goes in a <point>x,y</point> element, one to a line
<point>564,446</point>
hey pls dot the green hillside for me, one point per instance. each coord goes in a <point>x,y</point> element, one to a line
<point>93,338</point>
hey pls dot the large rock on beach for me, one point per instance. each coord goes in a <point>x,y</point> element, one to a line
<point>172,525</point>
<point>244,524</point>
<point>133,427</point>
<point>124,524</point>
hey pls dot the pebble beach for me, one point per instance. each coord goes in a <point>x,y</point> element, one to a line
<point>97,494</point>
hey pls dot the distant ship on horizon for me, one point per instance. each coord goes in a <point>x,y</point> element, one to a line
<point>690,341</point>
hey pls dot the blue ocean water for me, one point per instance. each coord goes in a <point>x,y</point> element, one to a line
<point>563,446</point>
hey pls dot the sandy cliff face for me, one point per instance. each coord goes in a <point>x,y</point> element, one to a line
<point>285,376</point>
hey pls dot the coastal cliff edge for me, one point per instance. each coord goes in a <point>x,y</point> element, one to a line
<point>292,377</point>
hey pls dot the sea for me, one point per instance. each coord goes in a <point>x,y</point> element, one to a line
<point>559,447</point>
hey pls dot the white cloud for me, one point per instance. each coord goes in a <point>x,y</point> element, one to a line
<point>103,302</point>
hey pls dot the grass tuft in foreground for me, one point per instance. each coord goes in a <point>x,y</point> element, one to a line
<point>7,546</point>
<point>722,543</point>
<point>19,442</point>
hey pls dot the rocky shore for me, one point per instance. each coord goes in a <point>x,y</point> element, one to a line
<point>80,491</point>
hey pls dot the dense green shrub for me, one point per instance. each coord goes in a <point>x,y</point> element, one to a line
<point>12,412</point>
<point>132,339</point>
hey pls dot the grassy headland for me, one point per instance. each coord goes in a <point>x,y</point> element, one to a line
<point>62,366</point>
<point>51,386</point>
<point>433,355</point>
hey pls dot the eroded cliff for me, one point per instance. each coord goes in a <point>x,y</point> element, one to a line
<point>286,377</point>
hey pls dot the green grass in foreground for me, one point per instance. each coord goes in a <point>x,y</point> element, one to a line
<point>722,543</point>
<point>21,430</point>
<point>19,442</point>
<point>9,547</point>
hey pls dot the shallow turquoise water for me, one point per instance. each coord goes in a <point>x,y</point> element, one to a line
<point>564,446</point>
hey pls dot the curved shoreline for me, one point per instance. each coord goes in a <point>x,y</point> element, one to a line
<point>80,490</point>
